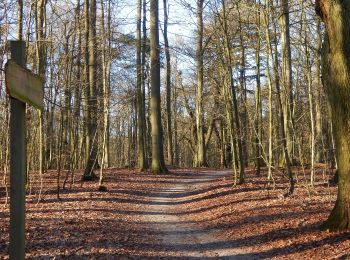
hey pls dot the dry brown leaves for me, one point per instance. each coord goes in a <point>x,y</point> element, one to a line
<point>253,217</point>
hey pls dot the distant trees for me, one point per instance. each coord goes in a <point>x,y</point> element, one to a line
<point>244,89</point>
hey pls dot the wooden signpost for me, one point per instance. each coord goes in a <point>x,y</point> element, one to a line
<point>23,87</point>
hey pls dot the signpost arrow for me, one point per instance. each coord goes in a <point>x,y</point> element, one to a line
<point>24,85</point>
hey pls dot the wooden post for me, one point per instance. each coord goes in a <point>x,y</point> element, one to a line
<point>17,164</point>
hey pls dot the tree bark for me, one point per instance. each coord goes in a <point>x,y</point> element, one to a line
<point>269,82</point>
<point>168,84</point>
<point>319,139</point>
<point>258,102</point>
<point>158,164</point>
<point>140,108</point>
<point>41,57</point>
<point>200,154</point>
<point>287,93</point>
<point>92,97</point>
<point>20,20</point>
<point>235,117</point>
<point>336,78</point>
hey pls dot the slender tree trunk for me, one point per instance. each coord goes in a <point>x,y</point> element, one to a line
<point>287,94</point>
<point>168,84</point>
<point>268,55</point>
<point>20,20</point>
<point>283,131</point>
<point>336,78</point>
<point>77,97</point>
<point>65,148</point>
<point>200,152</point>
<point>258,103</point>
<point>243,98</point>
<point>304,34</point>
<point>236,117</point>
<point>140,107</point>
<point>108,84</point>
<point>105,92</point>
<point>41,52</point>
<point>232,132</point>
<point>318,123</point>
<point>86,107</point>
<point>175,113</point>
<point>143,84</point>
<point>158,164</point>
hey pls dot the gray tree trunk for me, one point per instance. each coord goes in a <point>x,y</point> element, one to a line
<point>158,164</point>
<point>200,159</point>
<point>168,84</point>
<point>92,97</point>
<point>140,108</point>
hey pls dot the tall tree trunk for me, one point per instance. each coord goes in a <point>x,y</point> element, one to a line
<point>336,78</point>
<point>304,34</point>
<point>287,94</point>
<point>105,90</point>
<point>86,107</point>
<point>168,84</point>
<point>243,86</point>
<point>143,83</point>
<point>41,57</point>
<point>200,151</point>
<point>65,149</point>
<point>92,98</point>
<point>158,164</point>
<point>75,129</point>
<point>318,124</point>
<point>268,56</point>
<point>140,108</point>
<point>283,131</point>
<point>258,103</point>
<point>235,116</point>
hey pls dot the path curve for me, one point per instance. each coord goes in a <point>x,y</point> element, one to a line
<point>178,236</point>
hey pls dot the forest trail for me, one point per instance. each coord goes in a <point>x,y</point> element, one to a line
<point>178,236</point>
<point>186,214</point>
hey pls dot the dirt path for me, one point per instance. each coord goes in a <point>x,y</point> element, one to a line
<point>178,236</point>
<point>187,214</point>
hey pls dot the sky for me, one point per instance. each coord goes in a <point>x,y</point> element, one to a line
<point>181,24</point>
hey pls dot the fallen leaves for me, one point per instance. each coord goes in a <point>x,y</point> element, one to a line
<point>87,223</point>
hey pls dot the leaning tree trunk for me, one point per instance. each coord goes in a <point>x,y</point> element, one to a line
<point>336,78</point>
<point>158,164</point>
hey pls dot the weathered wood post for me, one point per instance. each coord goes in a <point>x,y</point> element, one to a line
<point>17,163</point>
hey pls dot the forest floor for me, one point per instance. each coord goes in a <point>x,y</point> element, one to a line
<point>186,214</point>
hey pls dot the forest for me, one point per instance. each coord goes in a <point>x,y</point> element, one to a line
<point>175,129</point>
